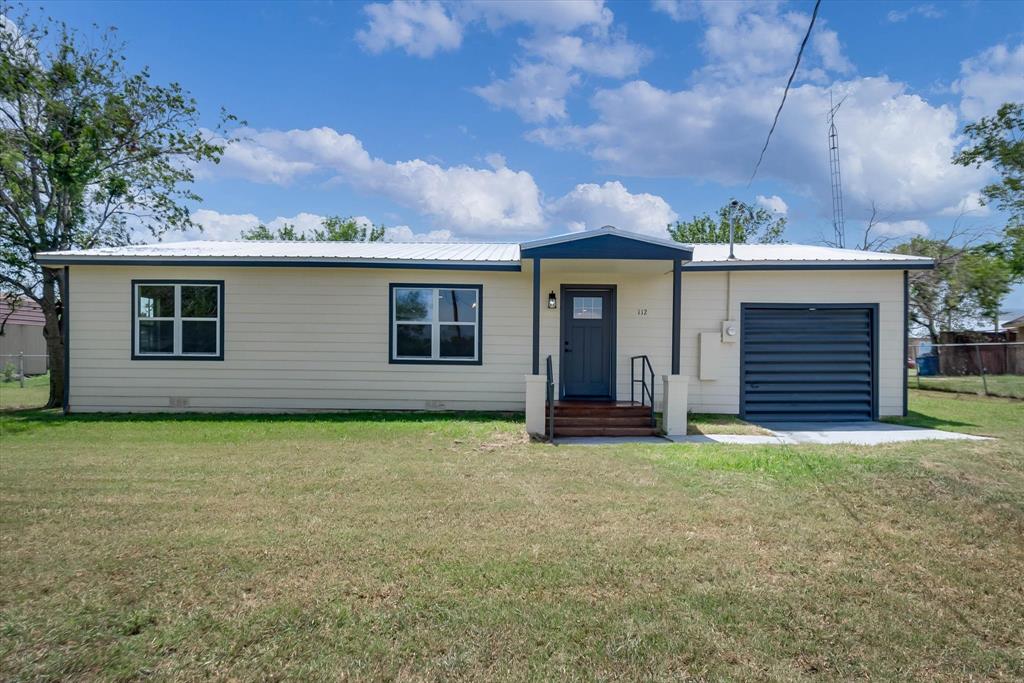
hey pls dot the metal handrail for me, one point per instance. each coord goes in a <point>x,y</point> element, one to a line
<point>646,390</point>
<point>550,399</point>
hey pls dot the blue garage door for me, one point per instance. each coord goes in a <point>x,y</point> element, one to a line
<point>811,363</point>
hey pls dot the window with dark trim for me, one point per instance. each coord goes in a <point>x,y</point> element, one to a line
<point>177,319</point>
<point>435,323</point>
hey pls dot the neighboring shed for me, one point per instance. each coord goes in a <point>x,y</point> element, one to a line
<point>23,333</point>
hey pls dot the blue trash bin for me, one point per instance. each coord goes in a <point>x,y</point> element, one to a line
<point>928,366</point>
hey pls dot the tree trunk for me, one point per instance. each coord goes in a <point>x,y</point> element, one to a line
<point>53,333</point>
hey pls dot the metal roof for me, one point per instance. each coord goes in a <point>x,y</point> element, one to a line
<point>497,255</point>
<point>26,312</point>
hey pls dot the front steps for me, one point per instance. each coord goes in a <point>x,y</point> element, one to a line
<point>593,418</point>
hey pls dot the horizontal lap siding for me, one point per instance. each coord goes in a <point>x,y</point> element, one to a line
<point>295,340</point>
<point>637,333</point>
<point>704,308</point>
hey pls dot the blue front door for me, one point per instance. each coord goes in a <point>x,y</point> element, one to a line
<point>587,343</point>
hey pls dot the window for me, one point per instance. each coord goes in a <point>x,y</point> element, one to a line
<point>177,319</point>
<point>587,307</point>
<point>436,323</point>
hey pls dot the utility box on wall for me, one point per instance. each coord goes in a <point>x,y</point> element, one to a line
<point>730,331</point>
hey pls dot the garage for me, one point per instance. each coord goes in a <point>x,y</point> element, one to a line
<point>804,362</point>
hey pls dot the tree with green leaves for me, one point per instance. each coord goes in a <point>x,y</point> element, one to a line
<point>965,284</point>
<point>999,140</point>
<point>332,229</point>
<point>91,155</point>
<point>751,225</point>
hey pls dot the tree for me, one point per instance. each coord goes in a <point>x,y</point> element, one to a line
<point>964,285</point>
<point>999,140</point>
<point>90,155</point>
<point>751,225</point>
<point>332,229</point>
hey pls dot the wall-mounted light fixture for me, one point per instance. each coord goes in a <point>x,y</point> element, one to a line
<point>552,300</point>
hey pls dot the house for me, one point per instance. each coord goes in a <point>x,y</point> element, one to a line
<point>23,334</point>
<point>1014,329</point>
<point>777,332</point>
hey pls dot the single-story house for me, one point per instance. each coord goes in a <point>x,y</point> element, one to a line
<point>624,321</point>
<point>23,334</point>
<point>1014,329</point>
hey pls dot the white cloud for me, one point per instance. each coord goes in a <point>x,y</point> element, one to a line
<point>615,58</point>
<point>535,91</point>
<point>554,15</point>
<point>463,198</point>
<point>221,226</point>
<point>989,79</point>
<point>895,147</point>
<point>403,233</point>
<point>774,203</point>
<point>420,27</point>
<point>591,206</point>
<point>906,228</point>
<point>496,160</point>
<point>927,11</point>
<point>969,205</point>
<point>678,10</point>
<point>303,222</point>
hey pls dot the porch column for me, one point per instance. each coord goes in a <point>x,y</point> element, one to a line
<point>536,316</point>
<point>536,402</point>
<point>677,277</point>
<point>673,413</point>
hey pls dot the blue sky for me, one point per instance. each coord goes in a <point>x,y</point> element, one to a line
<point>506,120</point>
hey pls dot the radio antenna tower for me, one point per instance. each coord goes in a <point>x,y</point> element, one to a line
<point>838,219</point>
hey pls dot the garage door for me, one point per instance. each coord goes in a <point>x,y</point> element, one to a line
<point>807,363</point>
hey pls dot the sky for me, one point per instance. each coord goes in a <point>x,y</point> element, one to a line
<point>503,121</point>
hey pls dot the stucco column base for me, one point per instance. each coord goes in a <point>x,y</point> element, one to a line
<point>673,413</point>
<point>536,400</point>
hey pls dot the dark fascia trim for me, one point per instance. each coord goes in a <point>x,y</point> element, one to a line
<point>608,246</point>
<point>691,268</point>
<point>479,360</point>
<point>164,281</point>
<point>875,389</point>
<point>66,320</point>
<point>252,263</point>
<point>613,325</point>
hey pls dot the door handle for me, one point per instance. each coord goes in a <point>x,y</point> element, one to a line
<point>566,348</point>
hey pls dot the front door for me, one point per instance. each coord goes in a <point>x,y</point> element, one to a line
<point>588,342</point>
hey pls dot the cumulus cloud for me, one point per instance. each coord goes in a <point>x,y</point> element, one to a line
<point>774,203</point>
<point>907,228</point>
<point>989,79</point>
<point>227,226</point>
<point>614,58</point>
<point>590,206</point>
<point>221,226</point>
<point>678,10</point>
<point>471,200</point>
<point>555,15</point>
<point>420,27</point>
<point>534,91</point>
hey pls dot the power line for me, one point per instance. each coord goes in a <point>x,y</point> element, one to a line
<point>792,75</point>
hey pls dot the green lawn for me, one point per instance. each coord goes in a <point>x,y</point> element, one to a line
<point>428,547</point>
<point>34,394</point>
<point>1011,386</point>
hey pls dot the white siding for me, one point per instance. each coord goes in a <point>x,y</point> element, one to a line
<point>300,339</point>
<point>295,339</point>
<point>705,307</point>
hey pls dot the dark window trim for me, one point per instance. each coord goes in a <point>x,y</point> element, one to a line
<point>479,360</point>
<point>875,389</point>
<point>161,281</point>
<point>613,327</point>
<point>906,339</point>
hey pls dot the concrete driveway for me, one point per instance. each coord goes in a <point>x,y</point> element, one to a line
<point>861,433</point>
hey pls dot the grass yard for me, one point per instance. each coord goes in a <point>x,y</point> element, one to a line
<point>1011,386</point>
<point>15,397</point>
<point>427,547</point>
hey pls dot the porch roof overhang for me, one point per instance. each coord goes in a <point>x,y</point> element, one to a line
<point>606,243</point>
